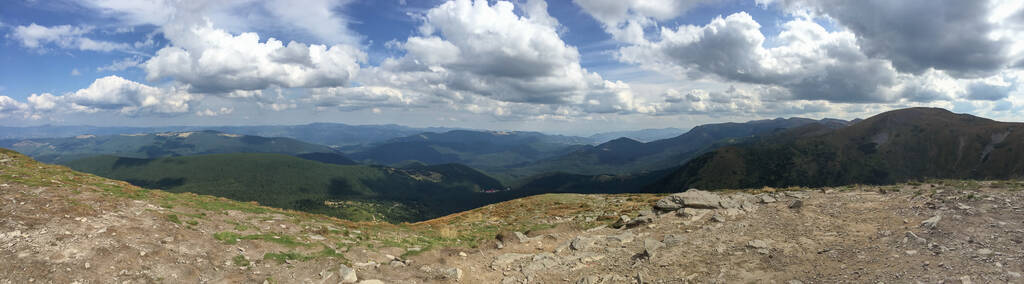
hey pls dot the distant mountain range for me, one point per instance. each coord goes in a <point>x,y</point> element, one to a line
<point>624,155</point>
<point>155,145</point>
<point>487,150</point>
<point>895,146</point>
<point>643,135</point>
<point>332,134</point>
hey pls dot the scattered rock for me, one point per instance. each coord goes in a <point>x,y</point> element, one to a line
<point>347,274</point>
<point>694,198</point>
<point>913,237</point>
<point>717,218</point>
<point>463,254</point>
<point>504,260</point>
<point>622,221</point>
<point>581,243</point>
<point>667,204</point>
<point>796,204</point>
<point>765,198</point>
<point>932,222</point>
<point>451,274</point>
<point>522,238</point>
<point>757,244</point>
<point>984,251</point>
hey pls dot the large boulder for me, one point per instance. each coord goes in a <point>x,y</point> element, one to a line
<point>692,198</point>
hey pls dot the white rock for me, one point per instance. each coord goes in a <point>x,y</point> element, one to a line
<point>347,274</point>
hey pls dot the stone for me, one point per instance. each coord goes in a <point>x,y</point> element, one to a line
<point>591,257</point>
<point>347,274</point>
<point>757,244</point>
<point>640,220</point>
<point>984,251</point>
<point>765,198</point>
<point>667,204</point>
<point>509,280</point>
<point>581,243</point>
<point>728,203</point>
<point>463,254</point>
<point>796,204</point>
<point>371,281</point>
<point>911,252</point>
<point>965,280</point>
<point>717,218</point>
<point>522,238</point>
<point>932,222</point>
<point>452,274</point>
<point>694,198</point>
<point>651,247</point>
<point>621,222</point>
<point>913,237</point>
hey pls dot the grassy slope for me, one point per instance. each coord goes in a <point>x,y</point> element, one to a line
<point>289,182</point>
<point>891,147</point>
<point>466,229</point>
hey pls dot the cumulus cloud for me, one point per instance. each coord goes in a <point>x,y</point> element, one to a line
<point>472,48</point>
<point>626,20</point>
<point>807,60</point>
<point>116,94</point>
<point>211,60</point>
<point>39,37</point>
<point>961,37</point>
<point>9,106</point>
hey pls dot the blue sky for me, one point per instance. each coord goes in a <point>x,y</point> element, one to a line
<point>572,67</point>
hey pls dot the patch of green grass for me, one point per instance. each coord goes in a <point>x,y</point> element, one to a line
<point>283,257</point>
<point>240,260</point>
<point>192,222</point>
<point>174,219</point>
<point>229,238</point>
<point>242,227</point>
<point>284,240</point>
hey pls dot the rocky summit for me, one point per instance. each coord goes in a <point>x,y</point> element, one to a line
<point>61,226</point>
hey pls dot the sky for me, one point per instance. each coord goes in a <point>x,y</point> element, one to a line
<point>570,66</point>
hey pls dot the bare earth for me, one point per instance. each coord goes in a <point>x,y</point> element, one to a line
<point>66,234</point>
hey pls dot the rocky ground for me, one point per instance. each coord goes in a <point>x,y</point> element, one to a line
<point>58,226</point>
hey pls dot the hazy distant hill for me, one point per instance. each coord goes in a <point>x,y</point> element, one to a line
<point>335,134</point>
<point>61,150</point>
<point>352,192</point>
<point>488,150</point>
<point>890,147</point>
<point>643,135</point>
<point>626,155</point>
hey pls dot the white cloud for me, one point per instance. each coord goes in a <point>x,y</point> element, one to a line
<point>122,64</point>
<point>487,56</point>
<point>115,94</point>
<point>39,37</point>
<point>211,60</point>
<point>964,38</point>
<point>626,20</point>
<point>74,72</point>
<point>9,106</point>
